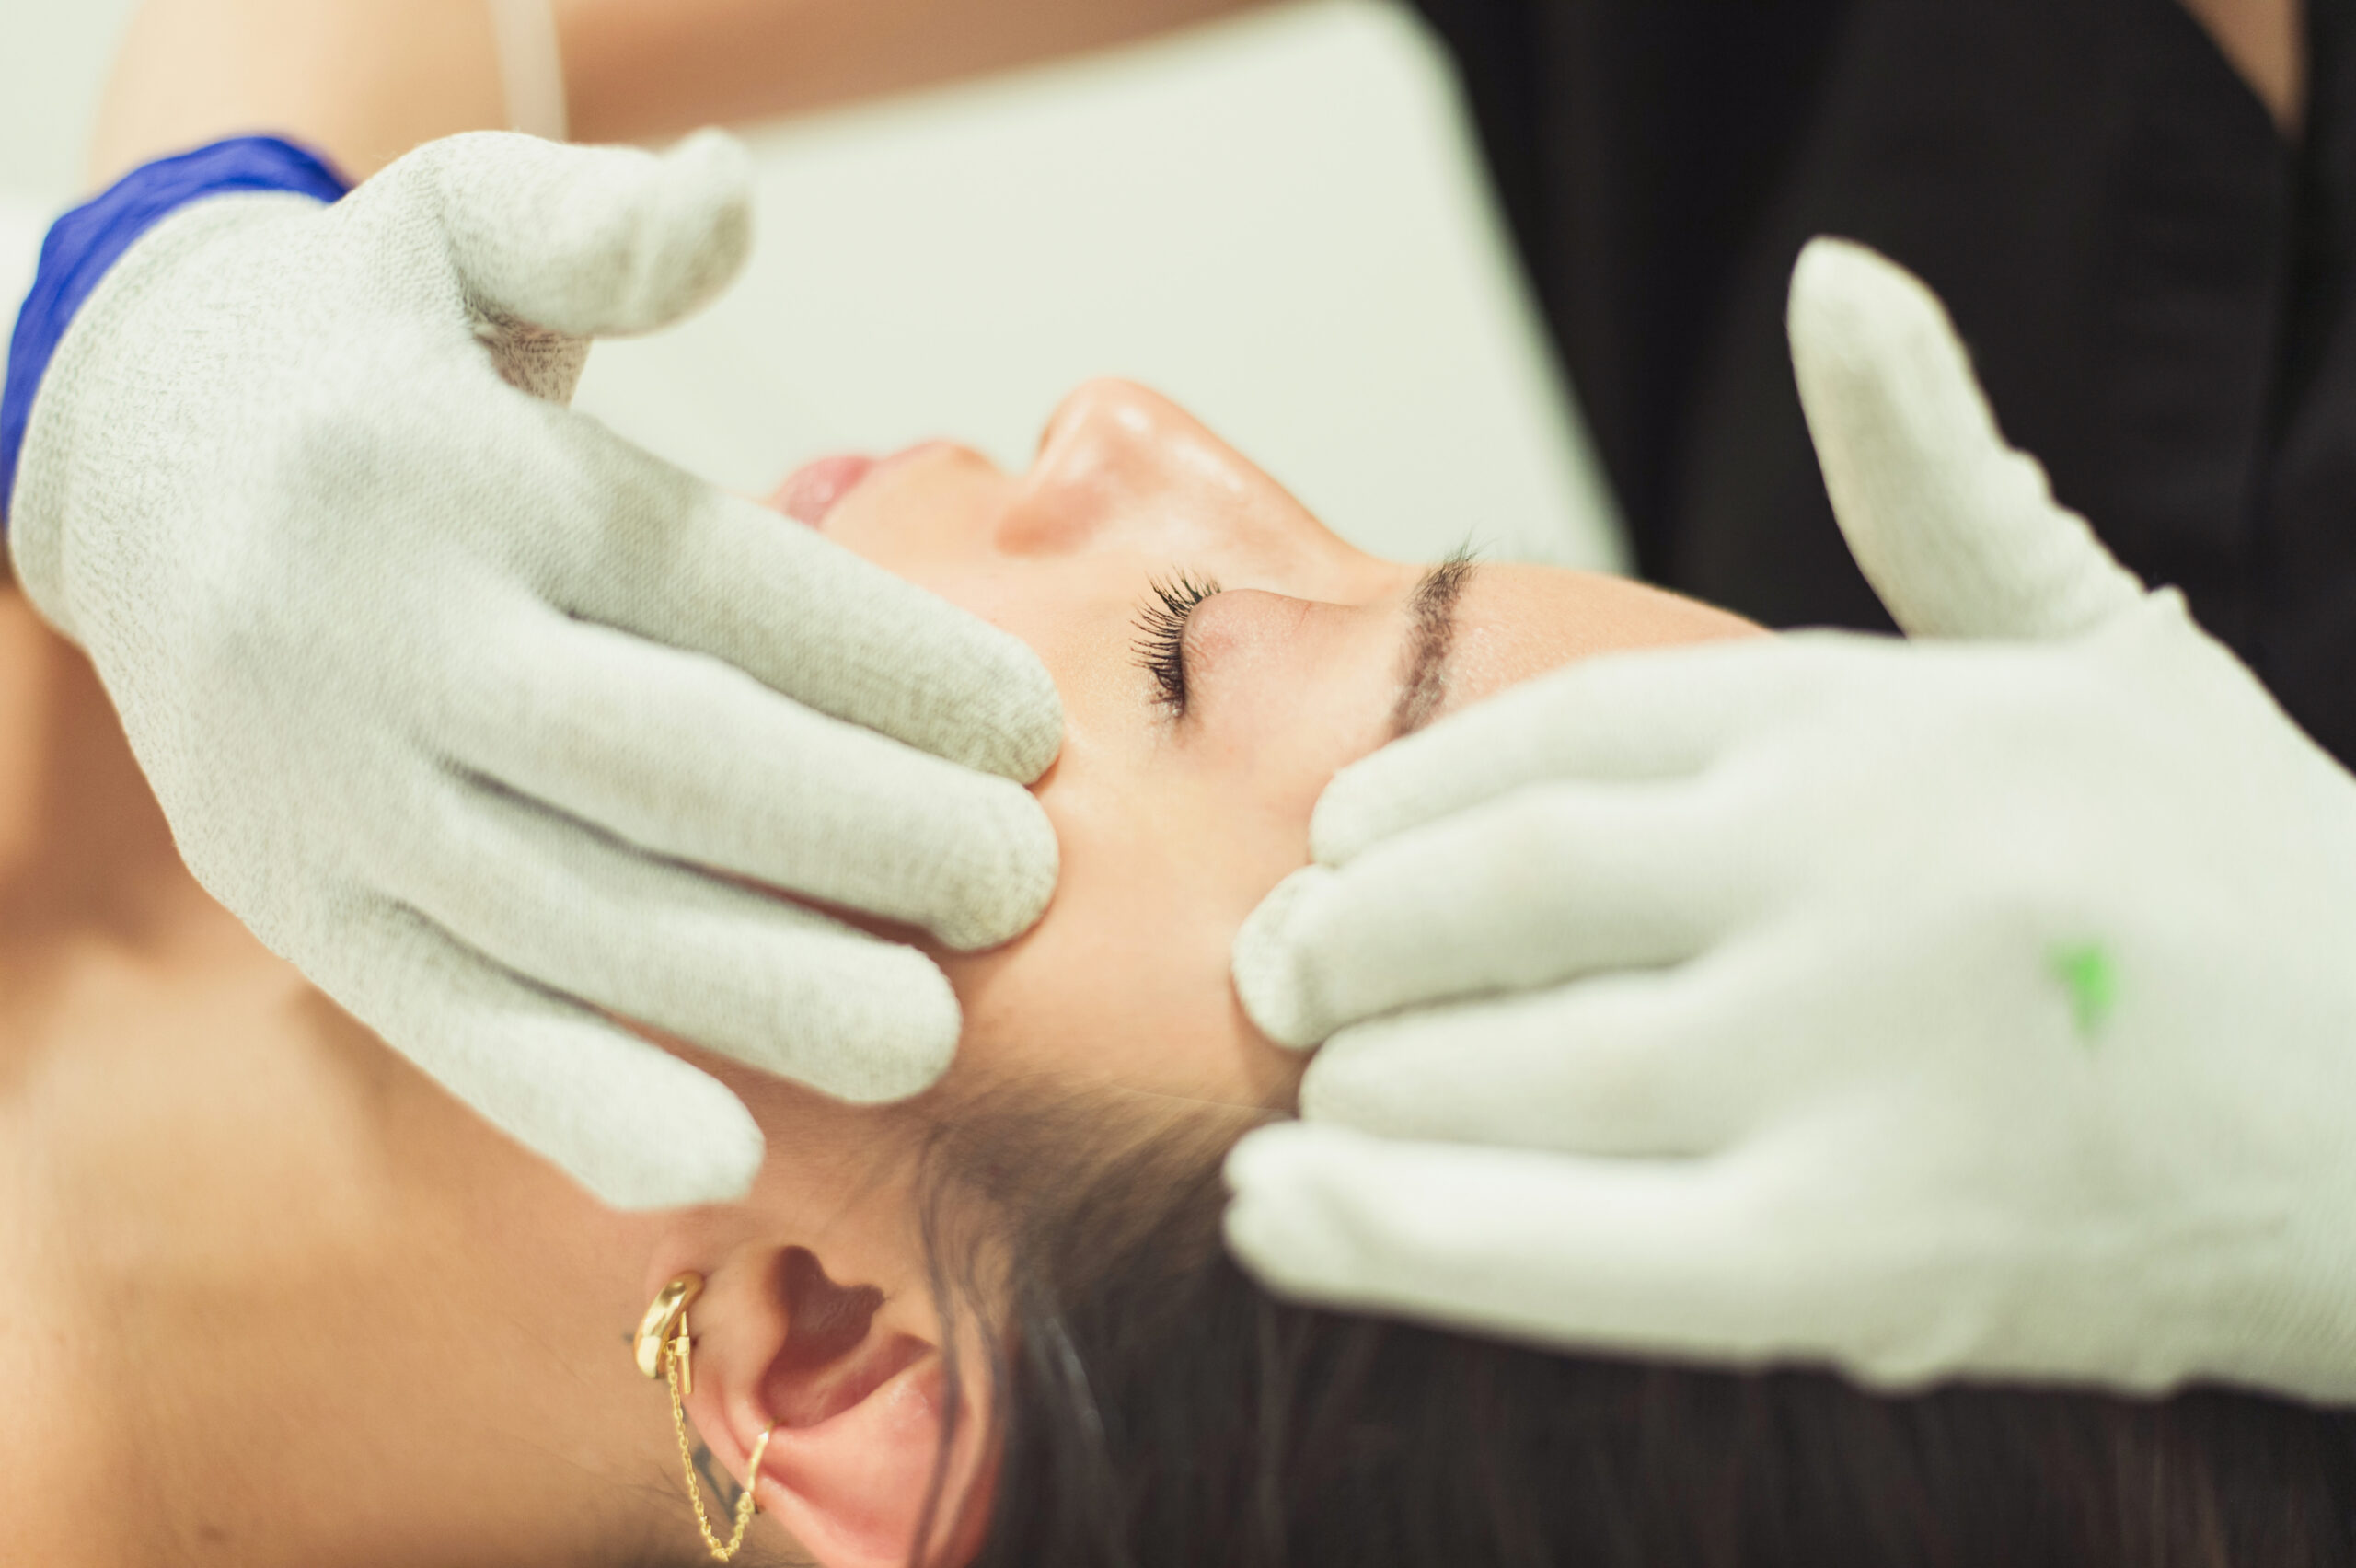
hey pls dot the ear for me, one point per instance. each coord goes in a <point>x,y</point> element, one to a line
<point>857,1380</point>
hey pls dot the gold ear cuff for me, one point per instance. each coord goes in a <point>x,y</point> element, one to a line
<point>666,1350</point>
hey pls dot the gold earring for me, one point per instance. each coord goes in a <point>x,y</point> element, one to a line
<point>666,1350</point>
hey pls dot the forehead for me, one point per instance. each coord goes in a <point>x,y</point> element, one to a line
<point>1517,621</point>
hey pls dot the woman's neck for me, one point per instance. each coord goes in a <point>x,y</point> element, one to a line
<point>273,1296</point>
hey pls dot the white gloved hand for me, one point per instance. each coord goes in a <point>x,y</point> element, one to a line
<point>447,691</point>
<point>1960,1009</point>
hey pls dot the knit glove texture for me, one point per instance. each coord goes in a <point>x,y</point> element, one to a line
<point>495,725</point>
<point>1980,1004</point>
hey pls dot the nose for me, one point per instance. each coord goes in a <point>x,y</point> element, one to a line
<point>1106,413</point>
<point>1110,447</point>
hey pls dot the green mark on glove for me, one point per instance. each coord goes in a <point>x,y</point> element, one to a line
<point>2084,969</point>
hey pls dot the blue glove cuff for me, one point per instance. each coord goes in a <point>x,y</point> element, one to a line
<point>92,238</point>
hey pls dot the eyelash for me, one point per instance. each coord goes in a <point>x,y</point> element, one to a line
<point>1161,643</point>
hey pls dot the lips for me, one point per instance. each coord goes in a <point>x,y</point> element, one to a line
<point>815,488</point>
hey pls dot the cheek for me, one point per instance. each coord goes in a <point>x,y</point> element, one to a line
<point>924,514</point>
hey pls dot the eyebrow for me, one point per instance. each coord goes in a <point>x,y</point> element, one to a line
<point>1431,638</point>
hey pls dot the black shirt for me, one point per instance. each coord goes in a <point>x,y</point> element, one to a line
<point>2155,283</point>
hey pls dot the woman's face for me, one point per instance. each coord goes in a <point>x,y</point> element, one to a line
<point>1198,733</point>
<point>1198,736</point>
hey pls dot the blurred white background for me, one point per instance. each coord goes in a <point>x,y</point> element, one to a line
<point>53,55</point>
<point>1280,221</point>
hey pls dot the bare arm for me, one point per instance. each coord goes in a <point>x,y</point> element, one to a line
<point>366,80</point>
<point>647,68</point>
<point>2266,42</point>
<point>363,80</point>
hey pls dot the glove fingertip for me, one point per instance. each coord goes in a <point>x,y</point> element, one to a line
<point>1267,1158</point>
<point>1839,287</point>
<point>1411,782</point>
<point>1283,1222</point>
<point>1390,791</point>
<point>716,159</point>
<point>1009,899</point>
<point>1350,1082</point>
<point>896,1045</point>
<point>591,241</point>
<point>927,672</point>
<point>1959,532</point>
<point>706,1149</point>
<point>698,232</point>
<point>1273,977</point>
<point>1022,731</point>
<point>1873,352</point>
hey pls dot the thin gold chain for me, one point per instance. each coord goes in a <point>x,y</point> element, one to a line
<point>744,1504</point>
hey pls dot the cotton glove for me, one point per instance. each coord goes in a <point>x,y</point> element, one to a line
<point>448,693</point>
<point>1948,1009</point>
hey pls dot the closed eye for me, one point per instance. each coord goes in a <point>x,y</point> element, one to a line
<point>1160,646</point>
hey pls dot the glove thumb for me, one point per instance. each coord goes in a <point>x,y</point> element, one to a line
<point>1956,531</point>
<point>590,242</point>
